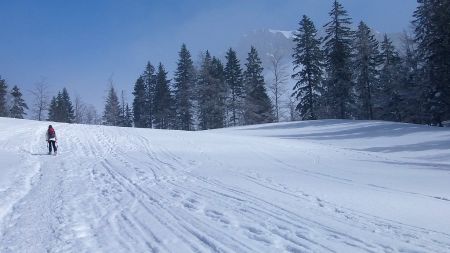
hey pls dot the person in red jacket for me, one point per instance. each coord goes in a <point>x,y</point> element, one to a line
<point>51,139</point>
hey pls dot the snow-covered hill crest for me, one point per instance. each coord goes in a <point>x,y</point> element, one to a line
<point>319,186</point>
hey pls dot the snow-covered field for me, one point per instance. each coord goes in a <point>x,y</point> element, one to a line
<point>321,186</point>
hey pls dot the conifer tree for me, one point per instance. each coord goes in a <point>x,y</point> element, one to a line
<point>337,47</point>
<point>412,91</point>
<point>184,86</point>
<point>162,103</point>
<point>218,112</point>
<point>18,104</point>
<point>308,63</point>
<point>258,107</point>
<point>61,109</point>
<point>53,110</point>
<point>211,93</point>
<point>128,117</point>
<point>111,114</point>
<point>149,79</point>
<point>139,103</point>
<point>389,99</point>
<point>122,112</point>
<point>66,107</point>
<point>125,113</point>
<point>432,34</point>
<point>234,81</point>
<point>205,90</point>
<point>3,99</point>
<point>367,61</point>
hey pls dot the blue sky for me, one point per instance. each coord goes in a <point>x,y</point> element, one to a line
<point>81,44</point>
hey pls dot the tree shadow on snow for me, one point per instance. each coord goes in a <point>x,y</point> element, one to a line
<point>416,165</point>
<point>329,130</point>
<point>422,146</point>
<point>345,129</point>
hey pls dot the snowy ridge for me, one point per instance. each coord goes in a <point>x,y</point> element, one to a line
<point>287,34</point>
<point>324,186</point>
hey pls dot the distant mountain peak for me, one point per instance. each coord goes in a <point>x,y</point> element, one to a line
<point>287,34</point>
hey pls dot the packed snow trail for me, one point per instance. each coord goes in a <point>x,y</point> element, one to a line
<point>138,190</point>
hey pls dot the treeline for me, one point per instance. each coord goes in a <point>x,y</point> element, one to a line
<point>215,95</point>
<point>59,108</point>
<point>347,74</point>
<point>350,75</point>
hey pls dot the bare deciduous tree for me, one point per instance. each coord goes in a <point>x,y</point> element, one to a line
<point>40,100</point>
<point>280,77</point>
<point>79,110</point>
<point>293,112</point>
<point>91,116</point>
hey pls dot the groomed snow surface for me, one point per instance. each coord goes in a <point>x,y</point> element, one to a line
<point>319,186</point>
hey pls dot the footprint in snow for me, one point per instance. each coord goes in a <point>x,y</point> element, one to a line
<point>175,195</point>
<point>190,206</point>
<point>253,230</point>
<point>257,235</point>
<point>217,216</point>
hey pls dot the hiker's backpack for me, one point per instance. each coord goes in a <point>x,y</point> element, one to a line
<point>51,133</point>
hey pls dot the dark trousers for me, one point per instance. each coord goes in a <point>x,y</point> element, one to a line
<point>50,144</point>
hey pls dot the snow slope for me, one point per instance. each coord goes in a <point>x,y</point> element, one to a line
<point>322,186</point>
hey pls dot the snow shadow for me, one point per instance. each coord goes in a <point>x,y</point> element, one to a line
<point>336,130</point>
<point>422,146</point>
<point>347,130</point>
<point>300,124</point>
<point>39,154</point>
<point>415,165</point>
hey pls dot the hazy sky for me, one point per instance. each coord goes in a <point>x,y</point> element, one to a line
<point>80,44</point>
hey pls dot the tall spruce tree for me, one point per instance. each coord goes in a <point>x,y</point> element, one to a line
<point>367,61</point>
<point>234,81</point>
<point>125,116</point>
<point>308,63</point>
<point>218,114</point>
<point>184,86</point>
<point>211,93</point>
<point>111,114</point>
<point>337,47</point>
<point>412,92</point>
<point>162,102</point>
<point>389,99</point>
<point>128,117</point>
<point>149,78</point>
<point>205,91</point>
<point>3,99</point>
<point>18,105</point>
<point>53,110</point>
<point>258,107</point>
<point>122,113</point>
<point>432,33</point>
<point>139,103</point>
<point>60,108</point>
<point>66,107</point>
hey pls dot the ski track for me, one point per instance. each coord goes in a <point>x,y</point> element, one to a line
<point>107,191</point>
